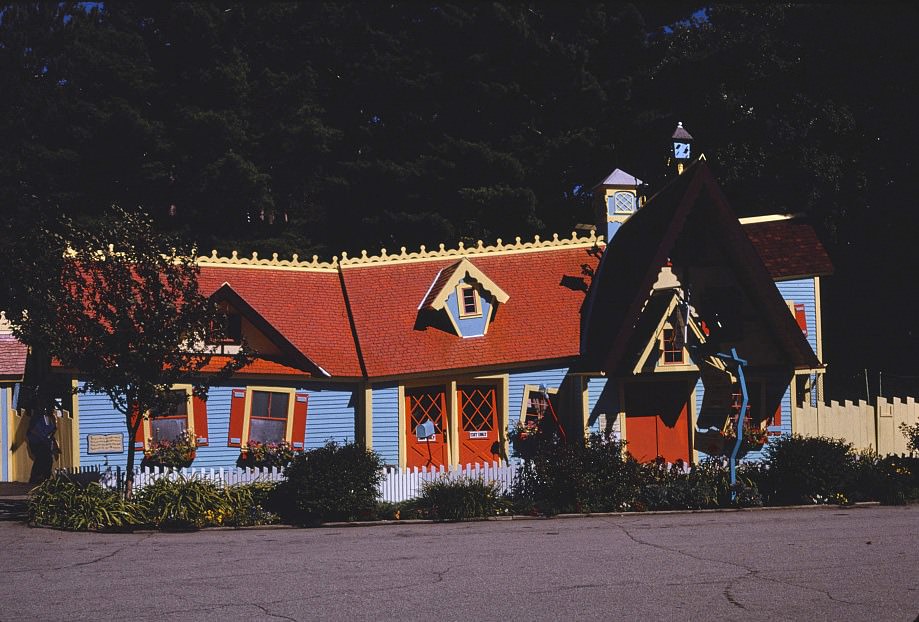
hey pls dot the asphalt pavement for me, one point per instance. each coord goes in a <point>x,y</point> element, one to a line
<point>824,563</point>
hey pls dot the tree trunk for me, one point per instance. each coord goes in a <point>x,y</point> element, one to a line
<point>133,423</point>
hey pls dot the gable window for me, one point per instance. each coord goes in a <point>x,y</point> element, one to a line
<point>470,305</point>
<point>267,415</point>
<point>672,347</point>
<point>227,331</point>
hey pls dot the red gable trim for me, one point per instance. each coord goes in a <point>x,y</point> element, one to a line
<point>259,366</point>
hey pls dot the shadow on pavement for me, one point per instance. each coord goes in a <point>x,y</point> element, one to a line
<point>13,509</point>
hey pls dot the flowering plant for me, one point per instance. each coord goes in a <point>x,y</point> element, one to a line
<point>178,452</point>
<point>258,455</point>
<point>526,438</point>
<point>753,437</point>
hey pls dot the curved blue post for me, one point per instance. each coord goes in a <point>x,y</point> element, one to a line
<point>740,417</point>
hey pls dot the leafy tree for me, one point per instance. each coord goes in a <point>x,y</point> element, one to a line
<point>122,308</point>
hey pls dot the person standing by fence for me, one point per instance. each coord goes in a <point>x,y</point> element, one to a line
<point>43,446</point>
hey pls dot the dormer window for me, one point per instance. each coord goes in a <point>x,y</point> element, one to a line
<point>464,299</point>
<point>470,304</point>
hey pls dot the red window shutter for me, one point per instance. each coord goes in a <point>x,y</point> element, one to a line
<point>777,417</point>
<point>801,316</point>
<point>298,436</point>
<point>139,435</point>
<point>200,413</point>
<point>237,415</point>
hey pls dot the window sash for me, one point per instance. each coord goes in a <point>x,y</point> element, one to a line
<point>269,405</point>
<point>672,349</point>
<point>168,428</point>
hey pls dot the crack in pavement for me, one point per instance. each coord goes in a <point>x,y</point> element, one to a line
<point>104,557</point>
<point>273,615</point>
<point>749,573</point>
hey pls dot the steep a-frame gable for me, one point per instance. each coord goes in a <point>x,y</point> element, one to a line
<point>690,207</point>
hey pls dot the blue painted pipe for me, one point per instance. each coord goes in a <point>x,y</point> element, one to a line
<point>740,417</point>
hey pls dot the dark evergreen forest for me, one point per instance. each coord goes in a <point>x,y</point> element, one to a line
<point>322,127</point>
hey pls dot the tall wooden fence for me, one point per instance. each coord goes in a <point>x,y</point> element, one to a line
<point>866,426</point>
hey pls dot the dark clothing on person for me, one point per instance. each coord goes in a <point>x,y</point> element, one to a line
<point>42,445</point>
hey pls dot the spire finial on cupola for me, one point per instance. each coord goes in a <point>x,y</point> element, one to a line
<point>681,147</point>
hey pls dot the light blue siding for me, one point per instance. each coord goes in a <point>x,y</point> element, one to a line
<point>602,399</point>
<point>99,416</point>
<point>216,454</point>
<point>802,291</point>
<point>386,423</point>
<point>330,416</point>
<point>700,393</point>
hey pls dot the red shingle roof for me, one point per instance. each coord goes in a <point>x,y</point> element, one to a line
<point>540,320</point>
<point>306,307</point>
<point>12,357</point>
<point>259,366</point>
<point>789,248</point>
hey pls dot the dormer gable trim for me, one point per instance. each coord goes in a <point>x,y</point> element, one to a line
<point>450,277</point>
<point>653,341</point>
<point>226,293</point>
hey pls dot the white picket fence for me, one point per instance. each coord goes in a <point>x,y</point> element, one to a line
<point>402,484</point>
<point>397,485</point>
<point>228,477</point>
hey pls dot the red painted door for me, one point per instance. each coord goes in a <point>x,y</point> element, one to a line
<point>657,420</point>
<point>423,404</point>
<point>478,408</point>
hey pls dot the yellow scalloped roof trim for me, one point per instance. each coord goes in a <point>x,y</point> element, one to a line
<point>480,249</point>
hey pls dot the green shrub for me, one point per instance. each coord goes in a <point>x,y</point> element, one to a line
<point>803,469</point>
<point>65,504</point>
<point>334,482</point>
<point>596,476</point>
<point>183,502</point>
<point>675,487</point>
<point>891,480</point>
<point>453,499</point>
<point>246,505</point>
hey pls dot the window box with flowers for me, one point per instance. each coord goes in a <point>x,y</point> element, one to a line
<point>177,452</point>
<point>259,455</point>
<point>753,438</point>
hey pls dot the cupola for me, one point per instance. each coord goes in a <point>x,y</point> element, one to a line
<point>616,198</point>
